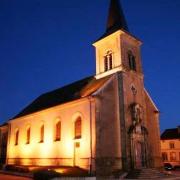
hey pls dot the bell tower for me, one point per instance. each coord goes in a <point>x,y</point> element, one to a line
<point>135,124</point>
<point>117,50</point>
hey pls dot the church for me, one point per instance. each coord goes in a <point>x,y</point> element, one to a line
<point>104,122</point>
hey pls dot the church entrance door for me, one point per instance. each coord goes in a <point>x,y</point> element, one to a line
<point>138,155</point>
<point>138,136</point>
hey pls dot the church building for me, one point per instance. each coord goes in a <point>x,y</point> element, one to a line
<point>106,121</point>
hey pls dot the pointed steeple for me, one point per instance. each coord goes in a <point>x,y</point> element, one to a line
<point>116,19</point>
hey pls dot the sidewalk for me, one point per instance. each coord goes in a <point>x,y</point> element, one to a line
<point>28,175</point>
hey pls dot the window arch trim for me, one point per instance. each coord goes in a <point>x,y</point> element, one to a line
<point>108,61</point>
<point>57,130</point>
<point>78,128</point>
<point>41,133</point>
<point>132,61</point>
<point>16,137</point>
<point>28,134</point>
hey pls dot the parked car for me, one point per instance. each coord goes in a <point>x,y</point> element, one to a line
<point>168,166</point>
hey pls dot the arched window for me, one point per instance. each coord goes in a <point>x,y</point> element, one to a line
<point>58,131</point>
<point>108,61</point>
<point>42,134</point>
<point>132,61</point>
<point>16,137</point>
<point>28,134</point>
<point>105,63</point>
<point>78,128</point>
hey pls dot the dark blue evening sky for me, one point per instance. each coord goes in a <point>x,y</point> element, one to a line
<point>45,44</point>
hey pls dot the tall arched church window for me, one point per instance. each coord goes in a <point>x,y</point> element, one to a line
<point>17,137</point>
<point>58,131</point>
<point>78,128</point>
<point>108,61</point>
<point>42,134</point>
<point>132,61</point>
<point>28,134</point>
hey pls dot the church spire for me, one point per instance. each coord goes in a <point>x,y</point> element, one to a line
<point>116,19</point>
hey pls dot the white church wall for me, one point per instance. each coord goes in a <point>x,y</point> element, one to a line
<point>52,152</point>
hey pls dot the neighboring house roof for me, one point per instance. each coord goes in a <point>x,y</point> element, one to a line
<point>74,91</point>
<point>3,125</point>
<point>171,134</point>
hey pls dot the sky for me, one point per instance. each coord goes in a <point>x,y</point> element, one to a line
<point>46,44</point>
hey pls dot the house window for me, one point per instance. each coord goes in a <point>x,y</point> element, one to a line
<point>78,128</point>
<point>16,137</point>
<point>108,61</point>
<point>164,156</point>
<point>172,156</point>
<point>132,61</point>
<point>42,134</point>
<point>171,145</point>
<point>58,131</point>
<point>28,134</point>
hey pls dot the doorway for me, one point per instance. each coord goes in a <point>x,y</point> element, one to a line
<point>76,153</point>
<point>138,139</point>
<point>138,155</point>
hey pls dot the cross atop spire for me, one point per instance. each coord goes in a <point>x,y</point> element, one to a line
<point>116,19</point>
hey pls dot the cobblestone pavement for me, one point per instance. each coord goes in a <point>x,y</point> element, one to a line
<point>9,177</point>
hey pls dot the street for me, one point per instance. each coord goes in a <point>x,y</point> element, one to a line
<point>9,177</point>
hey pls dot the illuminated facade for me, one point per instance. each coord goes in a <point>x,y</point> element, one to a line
<point>170,146</point>
<point>104,122</point>
<point>55,136</point>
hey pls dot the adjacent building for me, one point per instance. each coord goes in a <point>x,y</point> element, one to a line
<point>3,142</point>
<point>170,146</point>
<point>104,122</point>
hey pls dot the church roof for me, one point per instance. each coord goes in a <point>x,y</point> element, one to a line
<point>171,134</point>
<point>116,19</point>
<point>74,91</point>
